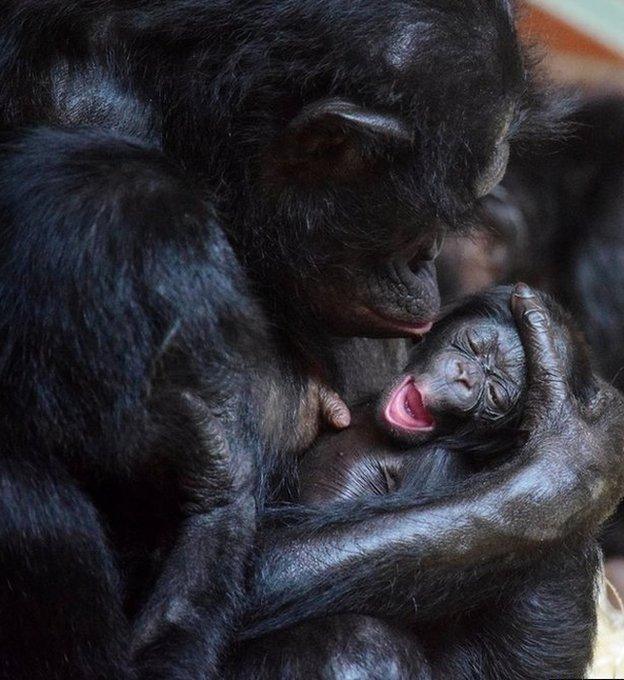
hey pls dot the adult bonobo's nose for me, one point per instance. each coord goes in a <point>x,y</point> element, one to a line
<point>429,250</point>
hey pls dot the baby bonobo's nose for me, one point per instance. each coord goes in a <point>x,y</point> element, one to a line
<point>466,375</point>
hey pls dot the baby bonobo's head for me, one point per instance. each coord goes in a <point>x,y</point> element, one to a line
<point>468,376</point>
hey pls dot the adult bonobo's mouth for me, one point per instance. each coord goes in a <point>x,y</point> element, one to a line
<point>406,411</point>
<point>399,298</point>
<point>397,327</point>
<point>403,297</point>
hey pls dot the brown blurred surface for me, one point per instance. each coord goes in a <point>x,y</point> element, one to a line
<point>570,55</point>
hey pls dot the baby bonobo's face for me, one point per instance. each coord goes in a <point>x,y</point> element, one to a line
<point>467,371</point>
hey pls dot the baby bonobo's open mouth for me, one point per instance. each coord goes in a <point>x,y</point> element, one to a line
<point>406,409</point>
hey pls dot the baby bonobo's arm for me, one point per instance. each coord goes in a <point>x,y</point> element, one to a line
<point>565,481</point>
<point>295,413</point>
<point>320,408</point>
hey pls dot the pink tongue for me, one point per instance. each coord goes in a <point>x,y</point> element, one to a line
<point>406,409</point>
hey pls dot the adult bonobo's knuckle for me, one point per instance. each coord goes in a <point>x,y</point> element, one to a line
<point>536,318</point>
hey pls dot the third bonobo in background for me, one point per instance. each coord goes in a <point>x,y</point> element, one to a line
<point>557,222</point>
<point>454,413</point>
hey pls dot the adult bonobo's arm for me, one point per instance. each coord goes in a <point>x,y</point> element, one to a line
<point>393,552</point>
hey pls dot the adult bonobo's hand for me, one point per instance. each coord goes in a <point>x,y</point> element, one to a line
<point>401,551</point>
<point>576,470</point>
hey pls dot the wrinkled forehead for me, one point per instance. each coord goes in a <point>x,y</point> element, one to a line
<point>490,329</point>
<point>501,340</point>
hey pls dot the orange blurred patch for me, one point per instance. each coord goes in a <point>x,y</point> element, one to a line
<point>537,26</point>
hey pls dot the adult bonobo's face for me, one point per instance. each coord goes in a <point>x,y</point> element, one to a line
<point>375,130</point>
<point>468,371</point>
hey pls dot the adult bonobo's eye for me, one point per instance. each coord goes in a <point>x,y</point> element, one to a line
<point>333,139</point>
<point>429,248</point>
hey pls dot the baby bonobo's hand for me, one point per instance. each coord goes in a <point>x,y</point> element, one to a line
<point>334,412</point>
<point>576,463</point>
<point>319,407</point>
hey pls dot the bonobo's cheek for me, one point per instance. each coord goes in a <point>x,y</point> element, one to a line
<point>397,300</point>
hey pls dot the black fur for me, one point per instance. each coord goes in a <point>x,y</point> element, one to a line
<point>127,338</point>
<point>560,214</point>
<point>138,374</point>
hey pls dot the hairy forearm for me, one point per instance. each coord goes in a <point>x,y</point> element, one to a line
<point>384,556</point>
<point>389,553</point>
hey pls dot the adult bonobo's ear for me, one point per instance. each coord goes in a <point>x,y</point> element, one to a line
<point>334,139</point>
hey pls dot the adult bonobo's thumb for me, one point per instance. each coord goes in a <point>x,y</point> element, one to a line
<point>547,384</point>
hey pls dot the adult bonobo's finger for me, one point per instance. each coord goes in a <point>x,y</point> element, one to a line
<point>333,409</point>
<point>546,374</point>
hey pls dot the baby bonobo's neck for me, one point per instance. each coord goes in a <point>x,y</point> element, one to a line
<point>365,461</point>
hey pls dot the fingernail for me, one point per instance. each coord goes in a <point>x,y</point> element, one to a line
<point>535,318</point>
<point>521,290</point>
<point>344,420</point>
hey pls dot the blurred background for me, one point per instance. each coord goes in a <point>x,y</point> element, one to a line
<point>584,40</point>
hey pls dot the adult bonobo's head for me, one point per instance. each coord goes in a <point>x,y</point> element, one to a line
<point>468,376</point>
<point>346,136</point>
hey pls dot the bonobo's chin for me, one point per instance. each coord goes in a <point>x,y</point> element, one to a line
<point>404,414</point>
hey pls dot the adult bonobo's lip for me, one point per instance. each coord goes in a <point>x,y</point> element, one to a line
<point>401,328</point>
<point>406,409</point>
<point>392,300</point>
<point>403,297</point>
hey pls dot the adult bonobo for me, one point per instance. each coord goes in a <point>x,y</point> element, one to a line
<point>140,383</point>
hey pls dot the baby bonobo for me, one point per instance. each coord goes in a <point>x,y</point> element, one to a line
<point>456,408</point>
<point>465,380</point>
<point>454,411</point>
